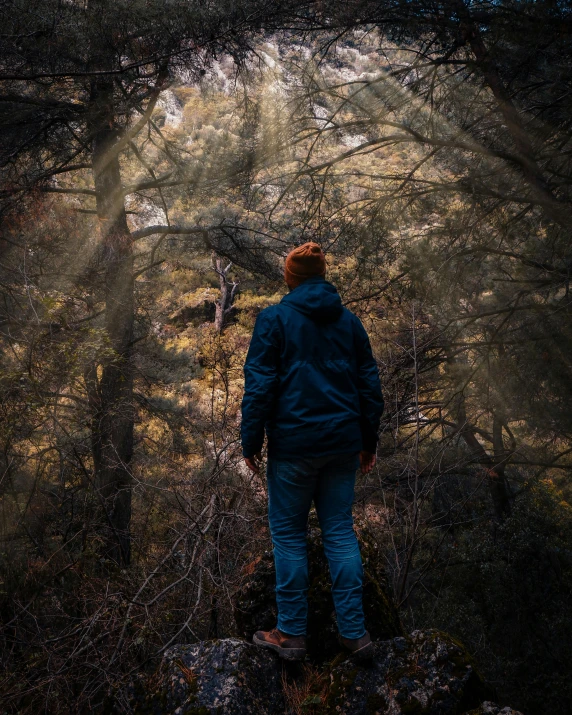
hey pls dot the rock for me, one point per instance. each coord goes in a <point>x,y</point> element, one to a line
<point>220,676</point>
<point>255,605</point>
<point>428,673</point>
<point>425,673</point>
<point>488,708</point>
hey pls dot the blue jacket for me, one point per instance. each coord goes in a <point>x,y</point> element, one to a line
<point>310,378</point>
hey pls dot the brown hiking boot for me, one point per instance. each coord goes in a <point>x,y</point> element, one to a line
<point>360,648</point>
<point>288,647</point>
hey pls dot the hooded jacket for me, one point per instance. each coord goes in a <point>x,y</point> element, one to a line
<point>310,378</point>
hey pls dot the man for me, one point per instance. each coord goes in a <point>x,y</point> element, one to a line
<point>311,381</point>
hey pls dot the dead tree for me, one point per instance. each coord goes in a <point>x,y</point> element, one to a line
<point>228,290</point>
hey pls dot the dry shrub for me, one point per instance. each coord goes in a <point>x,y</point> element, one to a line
<point>306,693</point>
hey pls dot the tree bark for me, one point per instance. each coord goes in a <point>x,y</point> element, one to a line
<point>113,413</point>
<point>494,467</point>
<point>223,306</point>
<point>499,486</point>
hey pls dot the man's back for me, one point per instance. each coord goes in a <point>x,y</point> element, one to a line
<point>310,378</point>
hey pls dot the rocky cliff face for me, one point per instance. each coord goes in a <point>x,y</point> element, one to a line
<point>427,673</point>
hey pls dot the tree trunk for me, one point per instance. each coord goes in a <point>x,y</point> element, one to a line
<point>223,306</point>
<point>494,469</point>
<point>499,486</point>
<point>113,418</point>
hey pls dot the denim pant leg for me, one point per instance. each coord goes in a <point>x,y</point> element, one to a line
<point>291,485</point>
<point>334,498</point>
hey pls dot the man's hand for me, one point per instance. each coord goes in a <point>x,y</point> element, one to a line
<point>254,463</point>
<point>367,462</point>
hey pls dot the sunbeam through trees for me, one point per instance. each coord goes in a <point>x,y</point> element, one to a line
<point>158,161</point>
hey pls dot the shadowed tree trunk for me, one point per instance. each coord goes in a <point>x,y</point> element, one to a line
<point>113,419</point>
<point>498,483</point>
<point>494,466</point>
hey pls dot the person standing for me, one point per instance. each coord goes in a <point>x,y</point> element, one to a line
<point>312,383</point>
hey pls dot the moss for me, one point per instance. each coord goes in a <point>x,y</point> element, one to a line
<point>340,683</point>
<point>380,611</point>
<point>409,671</point>
<point>339,658</point>
<point>350,676</point>
<point>460,658</point>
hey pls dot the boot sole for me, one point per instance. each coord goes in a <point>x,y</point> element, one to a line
<point>286,653</point>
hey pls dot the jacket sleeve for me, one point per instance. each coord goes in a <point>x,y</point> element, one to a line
<point>260,383</point>
<point>369,387</point>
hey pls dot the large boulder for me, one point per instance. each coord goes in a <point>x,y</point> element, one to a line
<point>220,676</point>
<point>428,673</point>
<point>255,604</point>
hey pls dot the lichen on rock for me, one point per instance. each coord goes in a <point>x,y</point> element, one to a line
<point>220,676</point>
<point>488,708</point>
<point>427,673</point>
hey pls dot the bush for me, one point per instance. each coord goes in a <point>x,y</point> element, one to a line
<point>505,593</point>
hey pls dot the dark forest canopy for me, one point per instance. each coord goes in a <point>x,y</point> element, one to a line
<point>157,161</point>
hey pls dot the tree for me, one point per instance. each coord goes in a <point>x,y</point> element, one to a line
<point>228,289</point>
<point>456,148</point>
<point>80,82</point>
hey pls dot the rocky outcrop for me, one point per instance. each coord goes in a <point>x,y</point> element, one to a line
<point>427,673</point>
<point>220,676</point>
<point>255,605</point>
<point>493,709</point>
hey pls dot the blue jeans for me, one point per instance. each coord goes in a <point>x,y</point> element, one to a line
<point>292,485</point>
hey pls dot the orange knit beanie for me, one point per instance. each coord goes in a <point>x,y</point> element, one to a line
<point>304,262</point>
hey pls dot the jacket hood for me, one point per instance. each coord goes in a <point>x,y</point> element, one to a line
<point>317,299</point>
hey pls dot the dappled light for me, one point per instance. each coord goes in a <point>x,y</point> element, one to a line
<point>158,162</point>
